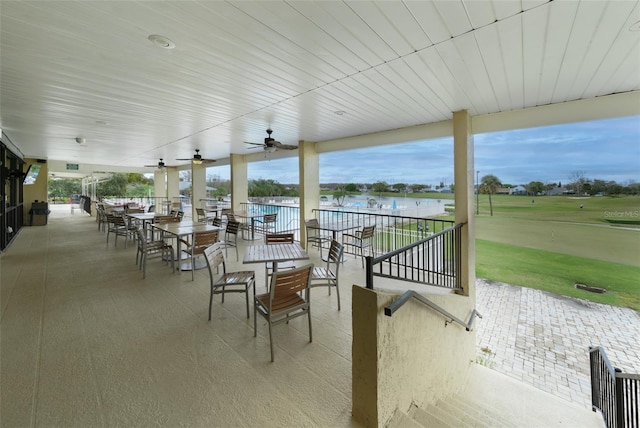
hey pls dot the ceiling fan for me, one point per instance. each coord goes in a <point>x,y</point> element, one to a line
<point>271,145</point>
<point>197,159</point>
<point>160,165</point>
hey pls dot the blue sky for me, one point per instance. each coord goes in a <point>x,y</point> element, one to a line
<point>605,149</point>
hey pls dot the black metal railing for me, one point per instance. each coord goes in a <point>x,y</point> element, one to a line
<point>398,303</point>
<point>287,221</point>
<point>392,231</point>
<point>434,260</point>
<point>613,393</point>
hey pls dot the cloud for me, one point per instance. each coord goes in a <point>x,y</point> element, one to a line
<point>605,149</point>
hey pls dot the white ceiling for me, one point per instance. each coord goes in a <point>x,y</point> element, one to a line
<point>87,69</point>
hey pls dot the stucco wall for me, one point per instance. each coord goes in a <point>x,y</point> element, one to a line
<point>419,358</point>
<point>36,191</point>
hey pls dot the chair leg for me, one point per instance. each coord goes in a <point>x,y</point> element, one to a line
<point>246,294</point>
<point>310,331</point>
<point>143,263</point>
<point>255,320</point>
<point>337,292</point>
<point>210,302</point>
<point>271,339</point>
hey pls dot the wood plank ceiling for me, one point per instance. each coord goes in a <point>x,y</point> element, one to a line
<point>88,69</point>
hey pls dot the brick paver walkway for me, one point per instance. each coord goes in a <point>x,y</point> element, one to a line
<point>543,339</point>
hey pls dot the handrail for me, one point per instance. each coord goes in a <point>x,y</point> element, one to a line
<point>385,256</point>
<point>398,303</point>
<point>613,393</point>
<point>434,253</point>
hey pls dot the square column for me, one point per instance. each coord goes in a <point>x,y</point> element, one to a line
<point>463,159</point>
<point>198,187</point>
<point>309,167</point>
<point>239,181</point>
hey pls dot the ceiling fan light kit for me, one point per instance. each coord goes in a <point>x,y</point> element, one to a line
<point>197,159</point>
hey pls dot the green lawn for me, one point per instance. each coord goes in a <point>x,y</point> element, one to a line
<point>552,243</point>
<point>558,273</point>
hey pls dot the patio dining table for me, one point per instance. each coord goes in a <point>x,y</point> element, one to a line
<point>337,226</point>
<point>247,215</point>
<point>274,253</point>
<point>181,230</point>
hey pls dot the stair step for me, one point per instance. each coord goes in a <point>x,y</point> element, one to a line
<point>474,413</point>
<point>451,418</point>
<point>426,419</point>
<point>402,420</point>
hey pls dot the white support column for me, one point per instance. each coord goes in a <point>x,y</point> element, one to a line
<point>464,183</point>
<point>198,187</point>
<point>239,181</point>
<point>309,167</point>
<point>173,184</point>
<point>160,188</point>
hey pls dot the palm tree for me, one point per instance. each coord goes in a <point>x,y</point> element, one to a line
<point>490,185</point>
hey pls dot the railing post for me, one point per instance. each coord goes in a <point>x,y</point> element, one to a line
<point>369,272</point>
<point>619,400</point>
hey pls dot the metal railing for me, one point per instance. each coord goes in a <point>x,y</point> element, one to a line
<point>614,394</point>
<point>434,260</point>
<point>398,303</point>
<point>392,231</point>
<point>287,221</point>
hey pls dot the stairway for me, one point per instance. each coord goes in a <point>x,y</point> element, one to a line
<point>454,412</point>
<point>491,399</point>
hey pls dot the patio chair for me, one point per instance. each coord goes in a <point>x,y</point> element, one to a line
<point>119,227</point>
<point>201,241</point>
<point>226,282</point>
<point>315,235</point>
<point>282,238</point>
<point>202,216</point>
<point>288,298</point>
<point>231,237</point>
<point>327,276</point>
<point>147,249</point>
<point>267,224</point>
<point>361,239</point>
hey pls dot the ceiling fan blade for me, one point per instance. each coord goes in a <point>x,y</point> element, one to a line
<point>254,144</point>
<point>281,146</point>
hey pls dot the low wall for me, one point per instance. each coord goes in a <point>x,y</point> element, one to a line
<point>411,357</point>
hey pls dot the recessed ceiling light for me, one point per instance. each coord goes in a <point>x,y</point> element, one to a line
<point>340,112</point>
<point>635,27</point>
<point>161,41</point>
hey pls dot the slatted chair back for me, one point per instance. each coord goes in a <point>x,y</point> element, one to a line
<point>202,217</point>
<point>202,240</point>
<point>217,221</point>
<point>368,232</point>
<point>285,284</point>
<point>279,238</point>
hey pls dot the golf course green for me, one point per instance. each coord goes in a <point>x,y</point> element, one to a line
<point>553,243</point>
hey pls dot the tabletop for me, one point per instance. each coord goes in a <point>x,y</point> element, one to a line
<point>263,253</point>
<point>339,226</point>
<point>247,214</point>
<point>185,228</point>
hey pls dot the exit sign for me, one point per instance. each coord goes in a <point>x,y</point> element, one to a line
<point>72,166</point>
